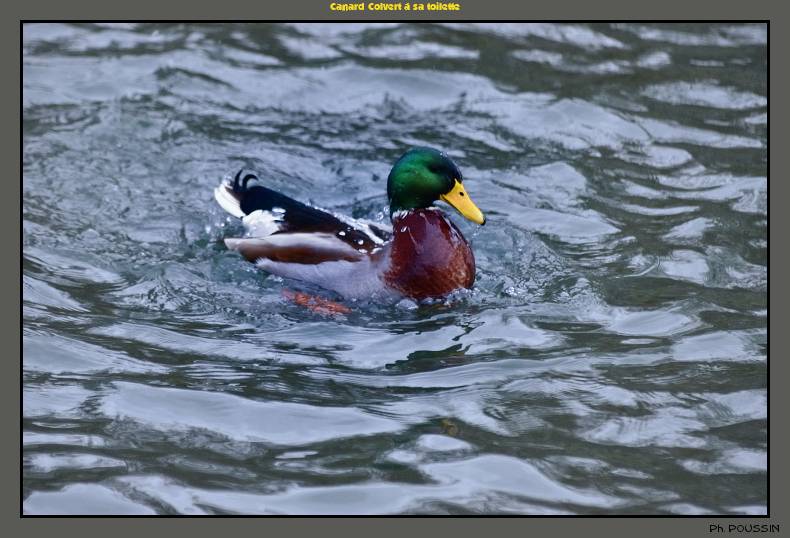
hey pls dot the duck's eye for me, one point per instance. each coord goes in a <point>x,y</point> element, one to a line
<point>461,193</point>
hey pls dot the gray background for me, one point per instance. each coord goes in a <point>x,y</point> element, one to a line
<point>319,10</point>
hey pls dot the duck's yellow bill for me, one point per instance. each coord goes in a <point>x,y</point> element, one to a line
<point>459,199</point>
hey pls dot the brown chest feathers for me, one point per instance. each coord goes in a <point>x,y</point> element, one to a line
<point>430,257</point>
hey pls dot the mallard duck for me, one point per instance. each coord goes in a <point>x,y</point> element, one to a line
<point>424,255</point>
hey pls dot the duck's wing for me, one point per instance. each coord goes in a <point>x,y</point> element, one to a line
<point>304,248</point>
<point>282,229</point>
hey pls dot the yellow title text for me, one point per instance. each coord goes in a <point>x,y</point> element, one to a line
<point>400,6</point>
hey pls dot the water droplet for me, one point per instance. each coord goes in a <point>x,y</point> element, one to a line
<point>407,304</point>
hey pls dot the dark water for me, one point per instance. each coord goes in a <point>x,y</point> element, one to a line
<point>611,358</point>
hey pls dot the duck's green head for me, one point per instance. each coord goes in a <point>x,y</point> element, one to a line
<point>424,175</point>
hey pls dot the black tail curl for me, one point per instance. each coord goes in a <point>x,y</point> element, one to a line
<point>242,188</point>
<point>294,216</point>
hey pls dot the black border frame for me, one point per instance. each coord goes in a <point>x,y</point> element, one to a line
<point>349,17</point>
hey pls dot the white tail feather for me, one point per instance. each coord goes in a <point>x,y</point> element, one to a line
<point>261,223</point>
<point>227,201</point>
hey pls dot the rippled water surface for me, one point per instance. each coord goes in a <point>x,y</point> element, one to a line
<point>610,359</point>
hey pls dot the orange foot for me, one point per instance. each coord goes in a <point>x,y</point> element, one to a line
<point>318,305</point>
